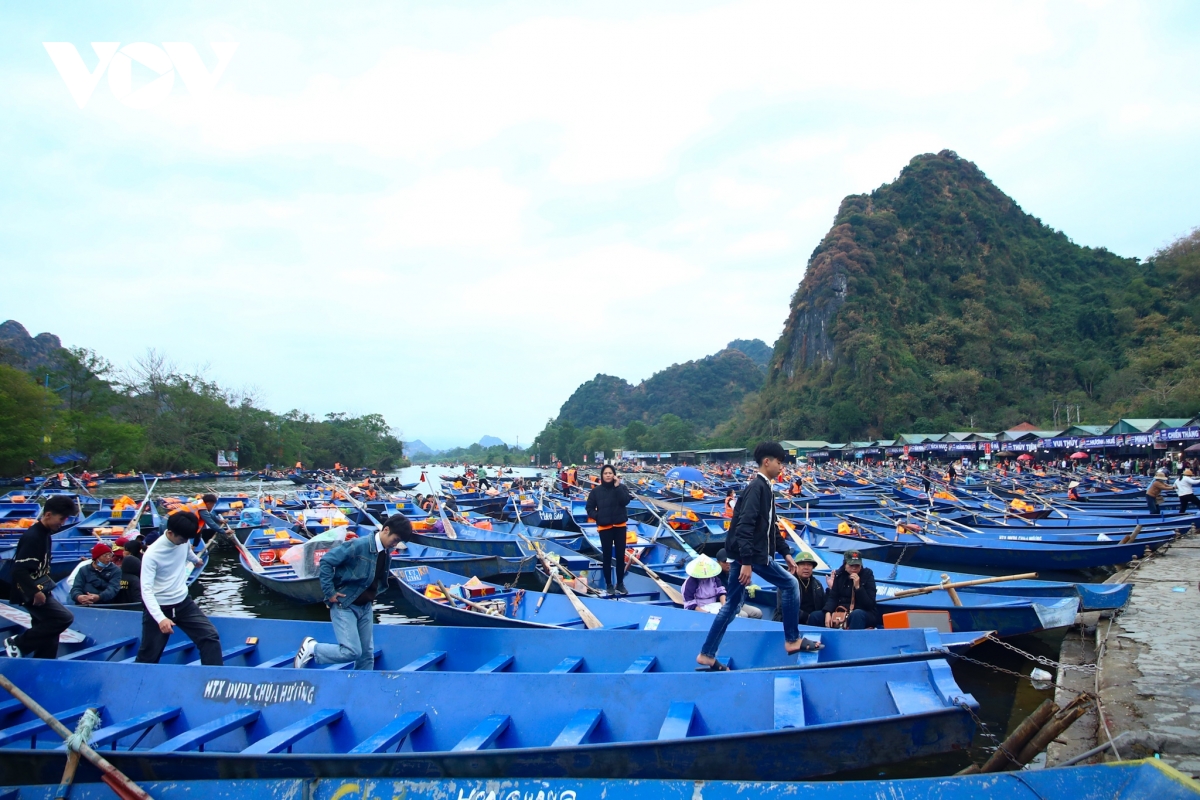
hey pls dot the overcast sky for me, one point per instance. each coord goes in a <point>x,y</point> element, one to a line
<point>454,213</point>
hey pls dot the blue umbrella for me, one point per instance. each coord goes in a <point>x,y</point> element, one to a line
<point>685,474</point>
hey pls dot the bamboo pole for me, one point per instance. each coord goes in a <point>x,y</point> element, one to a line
<point>119,782</point>
<point>963,584</point>
<point>1001,759</point>
<point>950,590</point>
<point>1050,731</point>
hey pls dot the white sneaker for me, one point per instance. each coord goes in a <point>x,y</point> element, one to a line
<point>305,654</point>
<point>10,648</point>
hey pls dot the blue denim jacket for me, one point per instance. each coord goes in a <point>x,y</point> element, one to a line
<point>349,568</point>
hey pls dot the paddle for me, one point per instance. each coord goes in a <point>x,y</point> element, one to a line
<point>589,619</point>
<point>962,584</point>
<point>137,515</point>
<point>687,548</point>
<point>670,591</point>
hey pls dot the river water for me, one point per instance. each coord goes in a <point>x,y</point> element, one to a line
<point>226,589</point>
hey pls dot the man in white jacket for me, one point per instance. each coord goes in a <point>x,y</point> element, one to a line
<point>165,601</point>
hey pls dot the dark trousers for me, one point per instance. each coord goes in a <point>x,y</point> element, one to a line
<point>1185,500</point>
<point>857,621</point>
<point>188,617</point>
<point>612,548</point>
<point>49,620</point>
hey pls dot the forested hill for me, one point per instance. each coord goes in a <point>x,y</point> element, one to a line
<point>935,303</point>
<point>704,392</point>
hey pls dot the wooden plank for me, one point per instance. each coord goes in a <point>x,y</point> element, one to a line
<point>170,649</point>
<point>284,739</point>
<point>109,734</point>
<point>391,734</point>
<point>34,727</point>
<point>196,737</point>
<point>568,664</point>
<point>678,723</point>
<point>100,649</point>
<point>233,652</point>
<point>424,662</point>
<point>642,664</point>
<point>789,702</point>
<point>579,728</point>
<point>484,733</point>
<point>497,664</point>
<point>349,664</point>
<point>913,697</point>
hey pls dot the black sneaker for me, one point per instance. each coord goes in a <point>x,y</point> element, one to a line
<point>10,647</point>
<point>621,590</point>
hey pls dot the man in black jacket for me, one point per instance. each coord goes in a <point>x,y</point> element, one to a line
<point>753,541</point>
<point>854,590</point>
<point>812,593</point>
<point>32,584</point>
<point>608,505</point>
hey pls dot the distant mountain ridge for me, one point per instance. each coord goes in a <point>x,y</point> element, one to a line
<point>705,392</point>
<point>417,448</point>
<point>27,352</point>
<point>490,441</point>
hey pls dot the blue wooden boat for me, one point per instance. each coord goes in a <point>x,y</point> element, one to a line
<point>277,575</point>
<point>1150,779</point>
<point>113,636</point>
<point>189,722</point>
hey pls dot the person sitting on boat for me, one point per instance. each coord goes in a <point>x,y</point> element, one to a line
<point>752,542</point>
<point>607,504</point>
<point>1155,490</point>
<point>100,581</point>
<point>130,552</point>
<point>1073,492</point>
<point>796,488</point>
<point>704,589</point>
<point>730,502</point>
<point>31,583</point>
<point>852,589</point>
<point>166,604</point>
<point>211,522</point>
<point>1185,488</point>
<point>812,593</point>
<point>352,575</point>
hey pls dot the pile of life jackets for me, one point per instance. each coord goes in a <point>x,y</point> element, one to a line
<point>846,529</point>
<point>1021,507</point>
<point>124,502</point>
<point>18,524</point>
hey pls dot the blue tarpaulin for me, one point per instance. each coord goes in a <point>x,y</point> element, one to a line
<point>67,455</point>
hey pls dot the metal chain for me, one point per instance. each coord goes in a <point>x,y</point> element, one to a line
<point>1045,662</point>
<point>983,728</point>
<point>1014,673</point>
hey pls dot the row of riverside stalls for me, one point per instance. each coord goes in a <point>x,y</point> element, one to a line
<point>468,701</point>
<point>1126,438</point>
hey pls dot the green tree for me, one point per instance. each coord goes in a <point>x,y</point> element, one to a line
<point>28,414</point>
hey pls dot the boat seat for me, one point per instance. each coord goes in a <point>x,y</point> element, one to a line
<point>104,648</point>
<point>574,623</point>
<point>913,697</point>
<point>391,734</point>
<point>484,733</point>
<point>678,723</point>
<point>428,660</point>
<point>196,737</point>
<point>170,649</point>
<point>789,702</point>
<point>233,652</point>
<point>642,664</point>
<point>109,734</point>
<point>579,728</point>
<point>285,660</point>
<point>11,707</point>
<point>31,729</point>
<point>568,664</point>
<point>349,664</point>
<point>498,663</point>
<point>284,739</point>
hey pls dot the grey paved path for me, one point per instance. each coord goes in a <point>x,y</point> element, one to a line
<point>1150,670</point>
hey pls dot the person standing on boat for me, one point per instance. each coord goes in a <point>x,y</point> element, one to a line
<point>166,604</point>
<point>753,541</point>
<point>1185,488</point>
<point>1155,490</point>
<point>608,505</point>
<point>31,583</point>
<point>352,574</point>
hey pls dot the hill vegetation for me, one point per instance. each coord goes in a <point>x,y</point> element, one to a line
<point>157,418</point>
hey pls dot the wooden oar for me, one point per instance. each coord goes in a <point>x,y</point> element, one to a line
<point>687,548</point>
<point>137,515</point>
<point>670,591</point>
<point>589,619</point>
<point>963,584</point>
